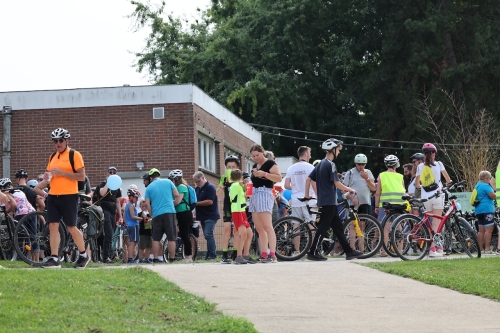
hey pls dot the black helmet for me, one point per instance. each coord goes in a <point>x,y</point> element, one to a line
<point>21,174</point>
<point>145,176</point>
<point>417,156</point>
<point>246,175</point>
<point>232,158</point>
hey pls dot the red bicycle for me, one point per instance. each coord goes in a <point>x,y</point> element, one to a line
<point>412,236</point>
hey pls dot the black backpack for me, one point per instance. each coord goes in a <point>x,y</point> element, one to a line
<point>30,194</point>
<point>81,184</point>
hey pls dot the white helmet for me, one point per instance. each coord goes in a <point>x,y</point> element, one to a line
<point>175,173</point>
<point>330,144</point>
<point>32,183</point>
<point>60,133</point>
<point>5,181</point>
<point>361,159</point>
<point>391,161</point>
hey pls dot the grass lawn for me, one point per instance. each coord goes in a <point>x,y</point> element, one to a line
<point>469,276</point>
<point>103,300</point>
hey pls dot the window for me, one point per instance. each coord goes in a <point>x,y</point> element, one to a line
<point>206,153</point>
<point>158,113</point>
<point>249,165</point>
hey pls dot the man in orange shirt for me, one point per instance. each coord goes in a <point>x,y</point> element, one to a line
<point>62,200</point>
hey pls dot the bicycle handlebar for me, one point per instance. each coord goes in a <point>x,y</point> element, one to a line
<point>305,199</point>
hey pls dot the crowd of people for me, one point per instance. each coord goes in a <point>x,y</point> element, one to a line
<point>165,209</point>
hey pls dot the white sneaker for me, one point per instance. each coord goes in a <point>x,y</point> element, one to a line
<point>489,252</point>
<point>434,254</point>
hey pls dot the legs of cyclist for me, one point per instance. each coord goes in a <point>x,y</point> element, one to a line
<point>184,221</point>
<point>486,224</point>
<point>435,206</point>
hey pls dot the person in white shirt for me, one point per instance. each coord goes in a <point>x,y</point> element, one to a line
<point>295,180</point>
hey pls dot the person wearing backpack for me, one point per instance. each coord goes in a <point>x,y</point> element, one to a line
<point>21,178</point>
<point>485,211</point>
<point>428,178</point>
<point>183,212</point>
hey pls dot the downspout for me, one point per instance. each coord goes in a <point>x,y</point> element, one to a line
<point>7,114</point>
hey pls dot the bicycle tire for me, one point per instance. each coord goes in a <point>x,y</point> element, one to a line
<point>7,246</point>
<point>179,250</point>
<point>387,243</point>
<point>194,246</point>
<point>406,245</point>
<point>328,243</point>
<point>373,235</point>
<point>254,250</point>
<point>467,238</point>
<point>116,252</point>
<point>92,246</point>
<point>35,235</point>
<point>285,234</point>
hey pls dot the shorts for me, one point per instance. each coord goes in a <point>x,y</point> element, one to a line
<point>240,219</point>
<point>262,200</point>
<point>365,209</point>
<point>145,242</point>
<point>434,203</point>
<point>63,207</point>
<point>303,214</point>
<point>164,224</point>
<point>133,233</point>
<point>226,216</point>
<point>485,219</point>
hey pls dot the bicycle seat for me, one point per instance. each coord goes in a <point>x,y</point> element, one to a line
<point>305,199</point>
<point>418,200</point>
<point>84,197</point>
<point>406,197</point>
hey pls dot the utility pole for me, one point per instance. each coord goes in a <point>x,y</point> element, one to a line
<point>7,114</point>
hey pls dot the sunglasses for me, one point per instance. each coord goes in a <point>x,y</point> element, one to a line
<point>112,172</point>
<point>56,141</point>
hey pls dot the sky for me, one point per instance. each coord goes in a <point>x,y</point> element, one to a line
<point>66,44</point>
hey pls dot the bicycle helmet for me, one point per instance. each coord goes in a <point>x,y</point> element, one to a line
<point>21,174</point>
<point>175,173</point>
<point>330,144</point>
<point>428,147</point>
<point>246,175</point>
<point>316,162</point>
<point>232,158</point>
<point>391,161</point>
<point>360,159</point>
<point>4,182</point>
<point>32,183</point>
<point>145,176</point>
<point>113,168</point>
<point>153,172</point>
<point>417,156</point>
<point>133,193</point>
<point>60,133</point>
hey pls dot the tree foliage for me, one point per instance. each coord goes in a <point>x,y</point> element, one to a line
<point>346,67</point>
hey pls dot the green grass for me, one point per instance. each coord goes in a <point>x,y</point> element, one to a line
<point>103,300</point>
<point>469,276</point>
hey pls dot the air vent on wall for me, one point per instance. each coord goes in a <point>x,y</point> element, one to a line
<point>158,113</point>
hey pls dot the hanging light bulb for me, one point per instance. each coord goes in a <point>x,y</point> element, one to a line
<point>371,151</point>
<point>305,136</point>
<point>379,144</point>
<point>294,141</point>
<point>279,132</point>
<point>354,142</point>
<point>401,146</point>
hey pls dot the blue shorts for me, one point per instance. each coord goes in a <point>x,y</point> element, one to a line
<point>485,219</point>
<point>133,233</point>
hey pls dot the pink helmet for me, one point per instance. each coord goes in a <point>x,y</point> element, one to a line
<point>428,147</point>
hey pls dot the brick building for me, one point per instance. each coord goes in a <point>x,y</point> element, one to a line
<point>132,128</point>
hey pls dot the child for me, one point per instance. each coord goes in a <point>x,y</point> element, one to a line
<point>239,216</point>
<point>232,163</point>
<point>145,240</point>
<point>132,222</point>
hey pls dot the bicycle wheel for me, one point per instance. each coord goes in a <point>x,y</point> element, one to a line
<point>32,235</point>
<point>179,250</point>
<point>289,229</point>
<point>194,246</point>
<point>116,253</point>
<point>467,238</point>
<point>410,240</point>
<point>386,224</point>
<point>370,241</point>
<point>7,247</point>
<point>328,243</point>
<point>254,245</point>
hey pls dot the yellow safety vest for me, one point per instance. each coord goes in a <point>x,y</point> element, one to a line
<point>392,188</point>
<point>497,181</point>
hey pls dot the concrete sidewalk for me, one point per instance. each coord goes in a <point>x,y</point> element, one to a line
<point>336,295</point>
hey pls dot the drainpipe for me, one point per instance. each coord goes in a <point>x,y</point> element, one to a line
<point>7,113</point>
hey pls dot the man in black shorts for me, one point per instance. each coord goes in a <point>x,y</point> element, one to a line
<point>62,200</point>
<point>327,181</point>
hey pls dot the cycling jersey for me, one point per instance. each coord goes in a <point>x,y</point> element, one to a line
<point>60,185</point>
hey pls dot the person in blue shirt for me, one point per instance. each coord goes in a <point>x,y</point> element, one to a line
<point>132,221</point>
<point>485,211</point>
<point>161,198</point>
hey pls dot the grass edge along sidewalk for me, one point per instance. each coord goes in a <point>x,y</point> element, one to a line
<point>104,300</point>
<point>479,277</point>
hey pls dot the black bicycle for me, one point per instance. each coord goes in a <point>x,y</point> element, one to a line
<point>7,227</point>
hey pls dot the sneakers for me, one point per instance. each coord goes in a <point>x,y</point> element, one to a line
<point>131,261</point>
<point>439,249</point>
<point>353,255</point>
<point>51,263</point>
<point>82,262</point>
<point>108,261</point>
<point>225,260</point>
<point>239,261</point>
<point>489,252</point>
<point>434,254</point>
<point>316,257</point>
<point>234,255</point>
<point>498,252</point>
<point>272,259</point>
<point>250,260</point>
<point>262,259</point>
